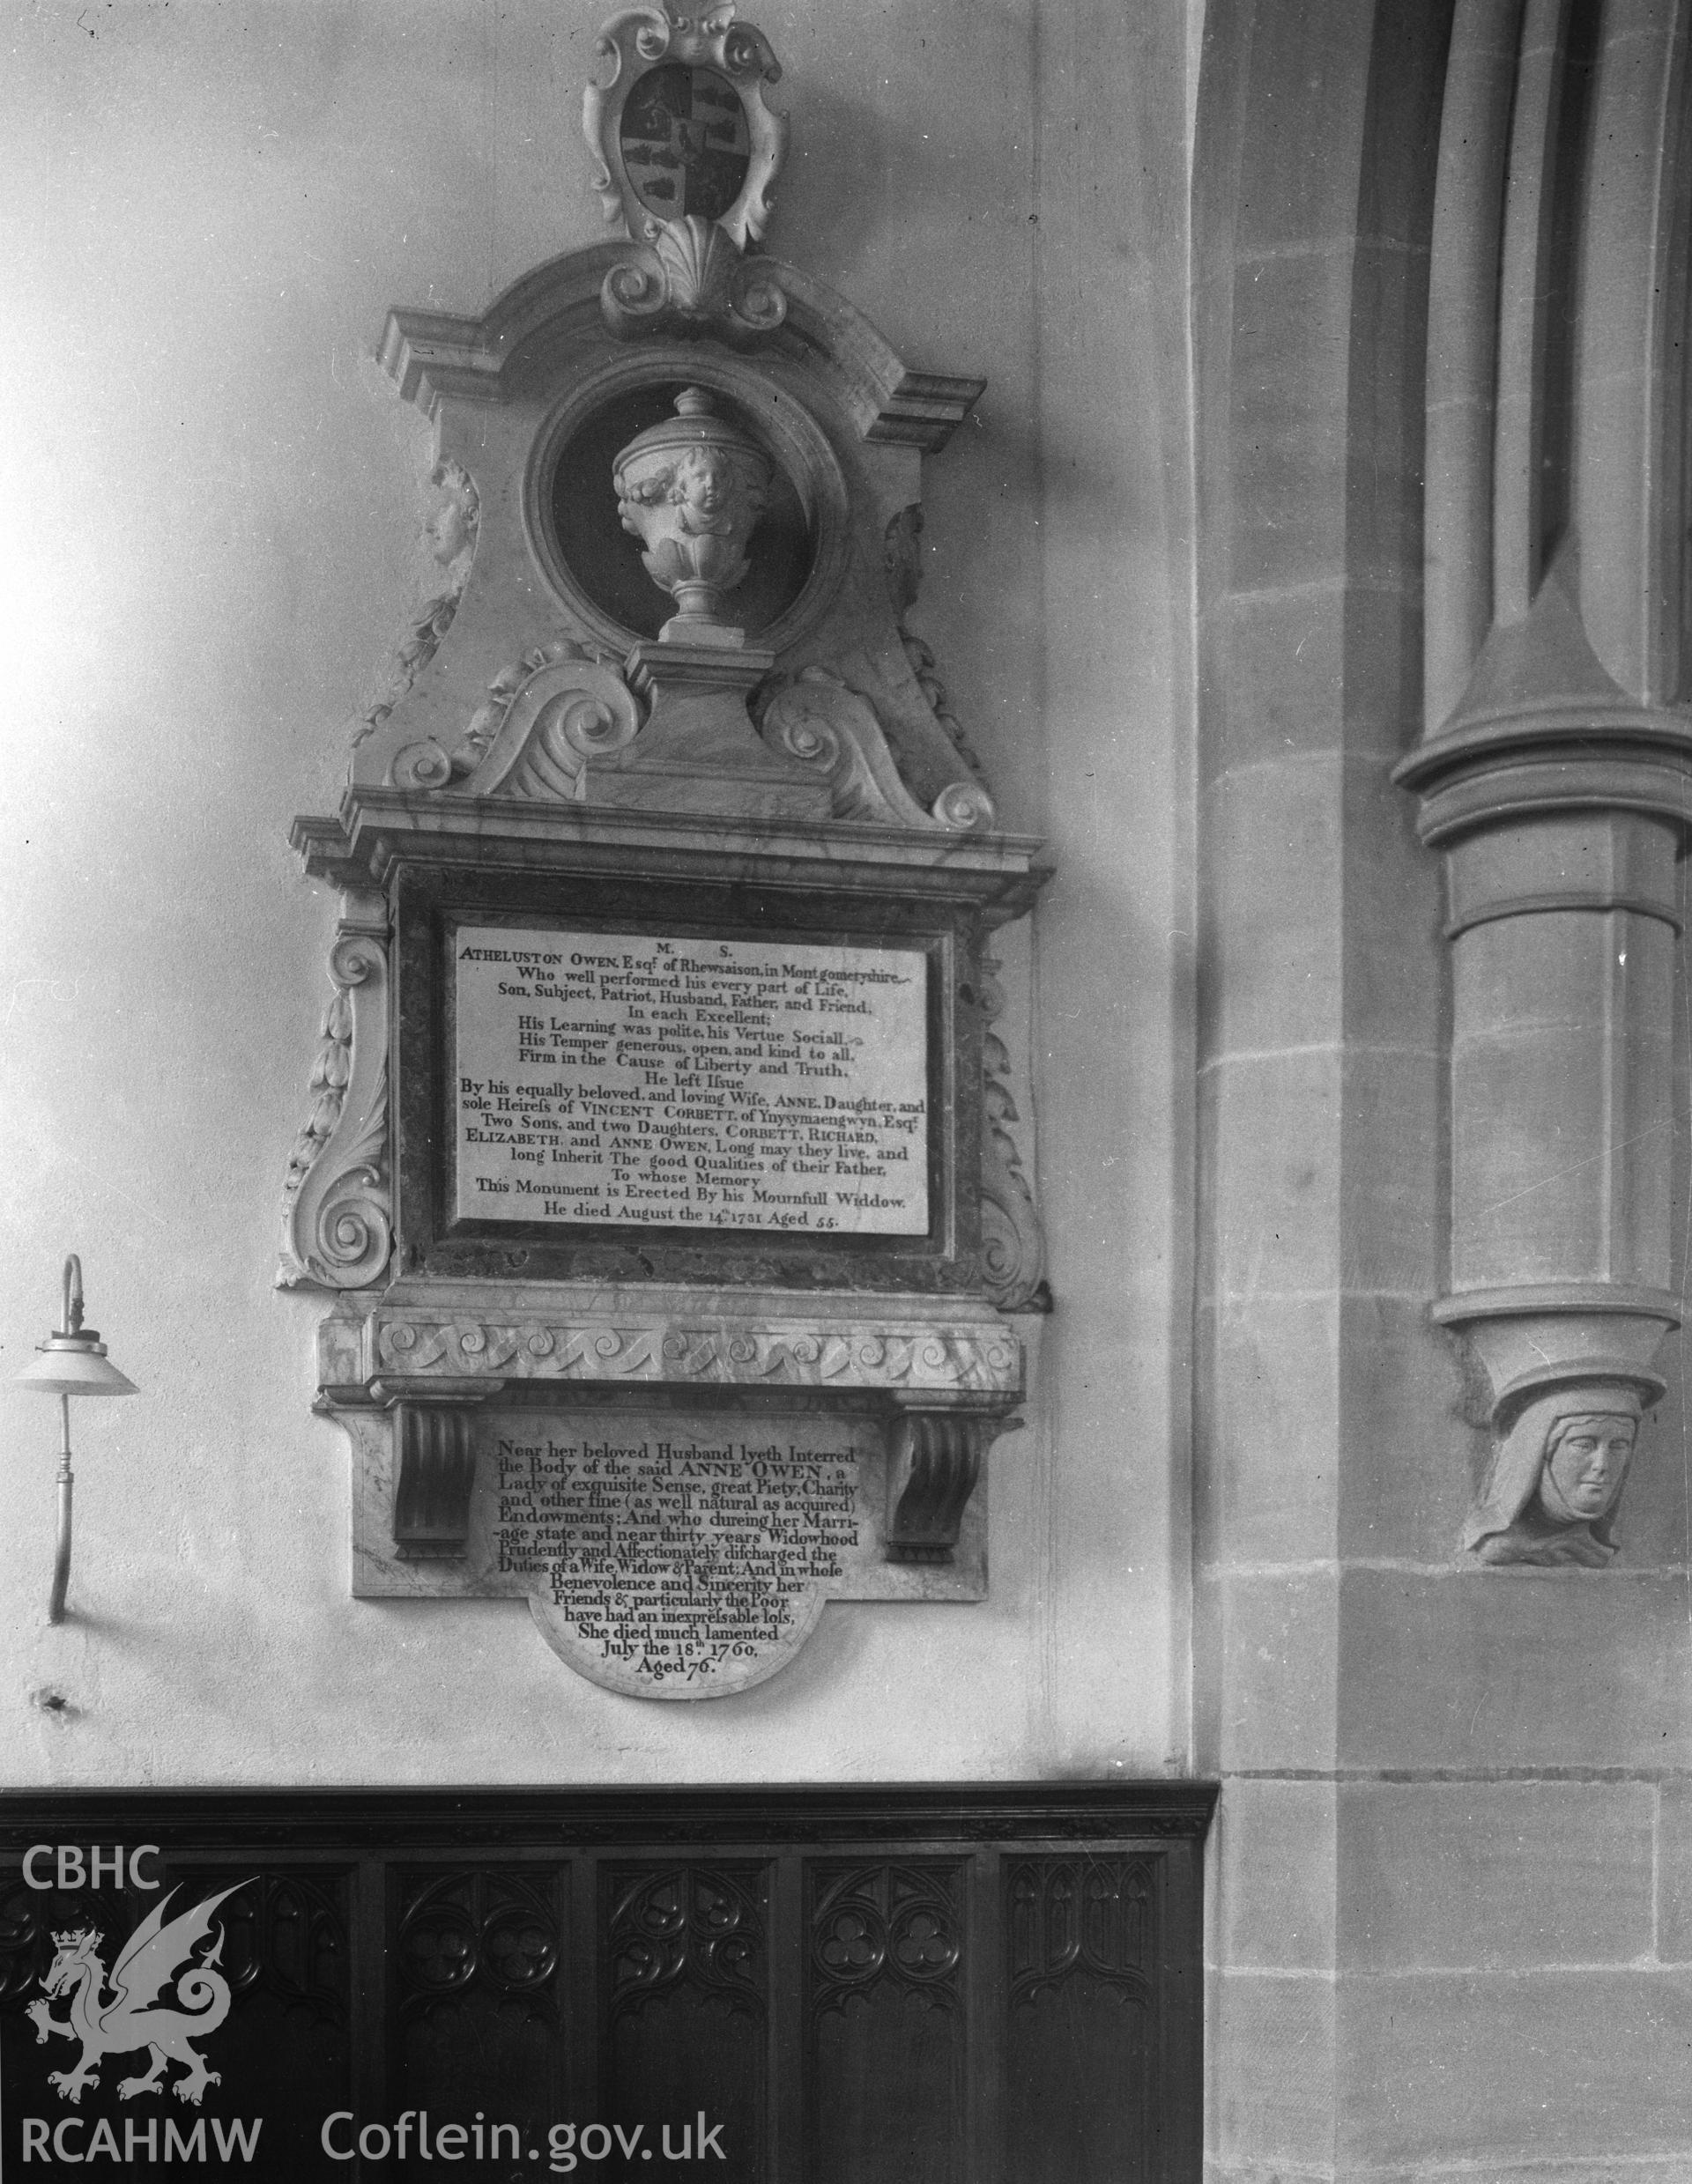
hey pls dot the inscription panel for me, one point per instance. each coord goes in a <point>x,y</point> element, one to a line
<point>616,1077</point>
<point>681,1563</point>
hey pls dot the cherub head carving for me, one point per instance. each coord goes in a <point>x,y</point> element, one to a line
<point>450,530</point>
<point>692,490</point>
<point>1556,1476</point>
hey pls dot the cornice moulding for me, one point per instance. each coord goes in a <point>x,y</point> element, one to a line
<point>358,848</point>
<point>431,355</point>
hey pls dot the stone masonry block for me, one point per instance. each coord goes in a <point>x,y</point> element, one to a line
<point>1272,1124</point>
<point>1269,954</point>
<point>1515,1667</point>
<point>1390,1228</point>
<point>1288,419</point>
<point>1493,1875</point>
<point>1277,1669</point>
<point>1674,1872</point>
<point>1275,1885</point>
<point>1409,1456</point>
<point>1555,2066</point>
<point>1270,2067</point>
<point>1315,667</point>
<point>1268,1435</point>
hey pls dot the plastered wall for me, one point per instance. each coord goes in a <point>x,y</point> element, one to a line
<point>205,212</point>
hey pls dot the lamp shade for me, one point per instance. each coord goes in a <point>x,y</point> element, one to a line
<point>70,1366</point>
<point>73,1360</point>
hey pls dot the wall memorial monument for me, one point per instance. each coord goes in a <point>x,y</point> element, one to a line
<point>661,1158</point>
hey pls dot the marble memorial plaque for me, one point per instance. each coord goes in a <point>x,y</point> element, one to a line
<point>727,1083</point>
<point>673,1558</point>
<point>665,1550</point>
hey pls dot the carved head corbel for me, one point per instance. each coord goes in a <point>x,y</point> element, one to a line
<point>1556,1479</point>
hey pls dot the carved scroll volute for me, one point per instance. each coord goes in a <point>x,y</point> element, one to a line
<point>543,720</point>
<point>820,721</point>
<point>337,1207</point>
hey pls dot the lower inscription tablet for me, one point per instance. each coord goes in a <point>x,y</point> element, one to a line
<point>680,1565</point>
<point>726,1083</point>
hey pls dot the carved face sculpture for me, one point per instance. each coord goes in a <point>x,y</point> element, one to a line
<point>448,530</point>
<point>1556,1476</point>
<point>1587,1465</point>
<point>716,494</point>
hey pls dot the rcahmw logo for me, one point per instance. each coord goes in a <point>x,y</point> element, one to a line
<point>158,1954</point>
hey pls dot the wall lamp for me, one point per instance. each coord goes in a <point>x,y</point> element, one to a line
<point>73,1363</point>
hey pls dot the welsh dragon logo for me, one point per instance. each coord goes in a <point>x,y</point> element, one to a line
<point>133,2016</point>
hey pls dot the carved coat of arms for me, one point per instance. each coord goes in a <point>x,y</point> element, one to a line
<point>131,2015</point>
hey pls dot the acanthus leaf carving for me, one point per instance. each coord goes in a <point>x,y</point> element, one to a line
<point>336,1204</point>
<point>903,561</point>
<point>820,720</point>
<point>451,531</point>
<point>935,1358</point>
<point>1013,1241</point>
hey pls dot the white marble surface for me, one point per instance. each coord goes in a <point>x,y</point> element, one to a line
<point>699,1082</point>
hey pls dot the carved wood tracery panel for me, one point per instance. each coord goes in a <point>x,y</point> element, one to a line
<point>952,1987</point>
<point>490,1928</point>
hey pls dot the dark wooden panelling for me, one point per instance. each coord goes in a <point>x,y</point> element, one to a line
<point>283,1954</point>
<point>473,1960</point>
<point>1080,1950</point>
<point>946,1986</point>
<point>686,1960</point>
<point>287,1956</point>
<point>885,2024</point>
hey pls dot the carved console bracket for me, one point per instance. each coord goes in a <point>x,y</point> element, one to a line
<point>434,1467</point>
<point>934,1466</point>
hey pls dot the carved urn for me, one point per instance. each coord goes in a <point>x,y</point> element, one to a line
<point>692,490</point>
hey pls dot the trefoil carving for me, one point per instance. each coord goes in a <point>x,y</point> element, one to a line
<point>485,1928</point>
<point>899,1924</point>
